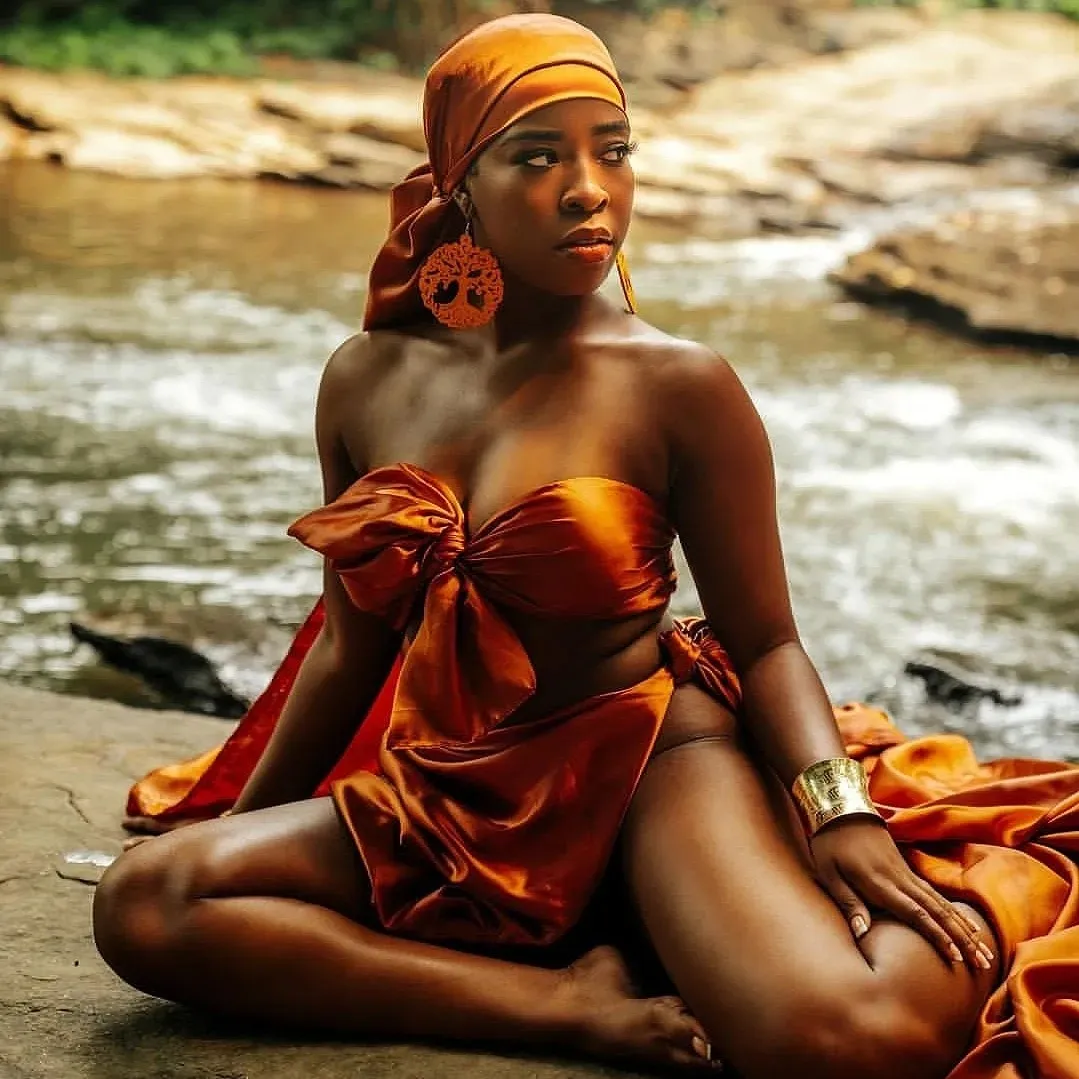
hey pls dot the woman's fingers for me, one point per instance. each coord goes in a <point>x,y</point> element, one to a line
<point>935,923</point>
<point>896,889</point>
<point>967,939</point>
<point>849,902</point>
<point>150,826</point>
<point>914,913</point>
<point>862,870</point>
<point>145,825</point>
<point>137,840</point>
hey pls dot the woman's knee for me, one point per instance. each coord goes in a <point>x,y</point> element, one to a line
<point>826,1030</point>
<point>129,923</point>
<point>140,902</point>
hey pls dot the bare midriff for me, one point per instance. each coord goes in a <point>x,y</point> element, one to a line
<point>578,659</point>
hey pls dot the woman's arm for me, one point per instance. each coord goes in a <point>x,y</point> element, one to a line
<point>723,505</point>
<point>350,659</point>
<point>337,683</point>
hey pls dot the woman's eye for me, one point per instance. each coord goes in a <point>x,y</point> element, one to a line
<point>615,155</point>
<point>537,159</point>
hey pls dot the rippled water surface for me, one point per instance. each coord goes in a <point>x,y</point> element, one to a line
<point>160,346</point>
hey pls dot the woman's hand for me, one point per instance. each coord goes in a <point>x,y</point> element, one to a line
<point>859,865</point>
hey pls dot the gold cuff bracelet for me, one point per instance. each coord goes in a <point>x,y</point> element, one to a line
<point>831,789</point>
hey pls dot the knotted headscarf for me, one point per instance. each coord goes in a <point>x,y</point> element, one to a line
<point>481,85</point>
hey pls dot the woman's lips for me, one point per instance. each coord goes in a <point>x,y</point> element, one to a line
<point>591,251</point>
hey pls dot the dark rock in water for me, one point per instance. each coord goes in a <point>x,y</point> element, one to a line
<point>182,677</point>
<point>1001,270</point>
<point>954,690</point>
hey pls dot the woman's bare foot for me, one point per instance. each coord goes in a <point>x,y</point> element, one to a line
<point>613,1024</point>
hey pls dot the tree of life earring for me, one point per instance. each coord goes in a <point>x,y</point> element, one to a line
<point>461,283</point>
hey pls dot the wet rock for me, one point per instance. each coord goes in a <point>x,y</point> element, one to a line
<point>1046,128</point>
<point>386,111</point>
<point>1005,266</point>
<point>718,216</point>
<point>180,676</point>
<point>151,130</point>
<point>1043,127</point>
<point>861,102</point>
<point>128,153</point>
<point>11,138</point>
<point>955,689</point>
<point>84,866</point>
<point>883,183</point>
<point>357,161</point>
<point>825,135</point>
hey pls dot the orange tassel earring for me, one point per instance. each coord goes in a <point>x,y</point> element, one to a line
<point>461,284</point>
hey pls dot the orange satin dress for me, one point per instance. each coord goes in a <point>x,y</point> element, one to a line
<point>477,828</point>
<point>465,826</point>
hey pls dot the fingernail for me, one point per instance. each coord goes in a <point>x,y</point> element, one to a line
<point>859,926</point>
<point>985,957</point>
<point>955,953</point>
<point>702,1048</point>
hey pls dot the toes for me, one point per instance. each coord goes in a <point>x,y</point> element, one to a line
<point>691,1061</point>
<point>682,1029</point>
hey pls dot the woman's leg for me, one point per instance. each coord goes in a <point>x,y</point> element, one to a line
<point>258,916</point>
<point>761,953</point>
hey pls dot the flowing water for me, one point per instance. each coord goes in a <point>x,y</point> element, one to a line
<point>160,346</point>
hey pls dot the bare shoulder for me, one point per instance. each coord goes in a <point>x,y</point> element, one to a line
<point>354,360</point>
<point>681,373</point>
<point>348,379</point>
<point>698,400</point>
<point>358,366</point>
<point>366,359</point>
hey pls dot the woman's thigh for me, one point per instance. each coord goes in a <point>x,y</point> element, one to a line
<point>297,851</point>
<point>759,952</point>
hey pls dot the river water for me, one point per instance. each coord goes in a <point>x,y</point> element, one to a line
<point>160,346</point>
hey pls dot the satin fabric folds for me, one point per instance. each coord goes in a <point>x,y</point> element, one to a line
<point>463,826</point>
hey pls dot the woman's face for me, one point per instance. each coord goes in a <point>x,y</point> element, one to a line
<point>552,196</point>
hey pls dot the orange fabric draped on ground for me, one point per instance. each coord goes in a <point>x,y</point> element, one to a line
<point>462,817</point>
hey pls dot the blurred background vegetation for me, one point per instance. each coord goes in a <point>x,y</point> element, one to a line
<point>159,38</point>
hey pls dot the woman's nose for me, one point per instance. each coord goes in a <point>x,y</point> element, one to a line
<point>585,194</point>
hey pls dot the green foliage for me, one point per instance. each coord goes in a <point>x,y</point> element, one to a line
<point>126,49</point>
<point>173,37</point>
<point>653,7</point>
<point>1060,7</point>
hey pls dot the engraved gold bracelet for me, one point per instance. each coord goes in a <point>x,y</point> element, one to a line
<point>831,789</point>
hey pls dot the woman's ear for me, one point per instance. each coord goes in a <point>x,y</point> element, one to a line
<point>464,202</point>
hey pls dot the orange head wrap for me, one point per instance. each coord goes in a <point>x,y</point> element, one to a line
<point>482,84</point>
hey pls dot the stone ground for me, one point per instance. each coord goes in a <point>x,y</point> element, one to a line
<point>65,765</point>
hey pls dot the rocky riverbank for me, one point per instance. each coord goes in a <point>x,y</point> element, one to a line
<point>1004,267</point>
<point>901,123</point>
<point>63,1015</point>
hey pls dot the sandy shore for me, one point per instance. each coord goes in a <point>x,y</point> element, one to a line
<point>64,773</point>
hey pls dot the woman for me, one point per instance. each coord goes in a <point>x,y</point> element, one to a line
<point>506,459</point>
